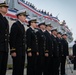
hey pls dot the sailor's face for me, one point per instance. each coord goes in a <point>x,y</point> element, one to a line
<point>43,27</point>
<point>55,33</point>
<point>59,35</point>
<point>34,24</point>
<point>4,9</point>
<point>65,36</point>
<point>22,18</point>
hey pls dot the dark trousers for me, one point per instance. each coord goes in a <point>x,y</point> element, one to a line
<point>63,60</point>
<point>74,63</point>
<point>51,65</point>
<point>46,65</point>
<point>31,64</point>
<point>3,62</point>
<point>40,65</point>
<point>18,65</point>
<point>55,65</point>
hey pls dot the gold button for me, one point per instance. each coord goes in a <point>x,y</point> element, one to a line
<point>6,29</point>
<point>5,34</point>
<point>5,39</point>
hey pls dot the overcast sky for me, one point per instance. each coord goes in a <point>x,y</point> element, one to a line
<point>65,9</point>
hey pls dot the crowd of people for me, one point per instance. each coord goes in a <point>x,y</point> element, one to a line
<point>45,47</point>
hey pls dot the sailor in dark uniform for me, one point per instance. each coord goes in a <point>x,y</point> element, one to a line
<point>4,37</point>
<point>48,51</point>
<point>32,47</point>
<point>74,55</point>
<point>17,43</point>
<point>59,38</point>
<point>64,53</point>
<point>41,47</point>
<point>55,52</point>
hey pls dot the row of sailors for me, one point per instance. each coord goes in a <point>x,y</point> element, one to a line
<point>45,50</point>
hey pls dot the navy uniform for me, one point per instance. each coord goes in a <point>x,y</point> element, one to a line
<point>49,48</point>
<point>55,58</point>
<point>64,53</point>
<point>4,38</point>
<point>17,44</point>
<point>59,34</point>
<point>60,43</point>
<point>41,47</point>
<point>74,55</point>
<point>32,47</point>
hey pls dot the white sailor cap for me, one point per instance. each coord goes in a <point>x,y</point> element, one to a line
<point>41,23</point>
<point>48,24</point>
<point>33,19</point>
<point>23,12</point>
<point>3,3</point>
<point>59,33</point>
<point>53,29</point>
<point>64,34</point>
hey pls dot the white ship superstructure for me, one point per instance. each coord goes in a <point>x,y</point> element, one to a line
<point>15,5</point>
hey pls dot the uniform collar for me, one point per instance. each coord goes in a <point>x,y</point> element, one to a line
<point>42,30</point>
<point>32,28</point>
<point>54,35</point>
<point>49,31</point>
<point>2,15</point>
<point>21,22</point>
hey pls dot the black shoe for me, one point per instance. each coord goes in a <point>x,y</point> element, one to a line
<point>74,68</point>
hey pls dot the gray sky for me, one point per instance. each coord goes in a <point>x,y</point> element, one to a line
<point>65,8</point>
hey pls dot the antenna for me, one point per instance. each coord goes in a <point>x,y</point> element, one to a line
<point>57,15</point>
